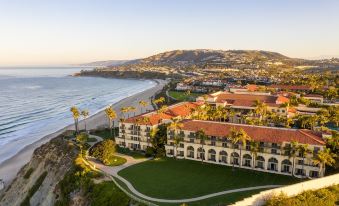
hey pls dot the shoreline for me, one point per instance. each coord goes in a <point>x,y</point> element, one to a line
<point>11,166</point>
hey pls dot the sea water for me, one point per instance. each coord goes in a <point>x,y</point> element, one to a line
<point>35,102</point>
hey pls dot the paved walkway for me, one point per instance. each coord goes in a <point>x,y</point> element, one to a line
<point>131,161</point>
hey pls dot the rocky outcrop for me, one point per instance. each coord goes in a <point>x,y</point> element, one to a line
<point>56,158</point>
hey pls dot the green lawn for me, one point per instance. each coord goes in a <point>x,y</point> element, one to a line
<point>181,96</point>
<point>175,179</point>
<point>134,154</point>
<point>104,133</point>
<point>116,161</point>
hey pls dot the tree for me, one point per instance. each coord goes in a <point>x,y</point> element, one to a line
<point>260,109</point>
<point>143,104</point>
<point>175,126</point>
<point>132,109</point>
<point>234,139</point>
<point>104,151</point>
<point>137,129</point>
<point>200,134</point>
<point>292,151</point>
<point>323,158</point>
<point>254,148</point>
<point>243,138</point>
<point>111,115</point>
<point>81,139</point>
<point>304,151</point>
<point>85,114</point>
<point>124,110</point>
<point>177,140</point>
<point>76,115</point>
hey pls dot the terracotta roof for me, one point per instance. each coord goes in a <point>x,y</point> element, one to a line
<point>181,109</point>
<point>257,133</point>
<point>248,100</point>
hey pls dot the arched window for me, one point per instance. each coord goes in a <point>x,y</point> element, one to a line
<point>211,155</point>
<point>223,156</point>
<point>260,162</point>
<point>190,152</point>
<point>286,166</point>
<point>201,153</point>
<point>272,164</point>
<point>247,160</point>
<point>235,158</point>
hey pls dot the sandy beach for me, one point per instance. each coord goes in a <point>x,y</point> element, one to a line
<point>10,167</point>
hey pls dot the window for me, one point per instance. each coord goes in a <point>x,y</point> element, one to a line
<point>260,164</point>
<point>191,140</point>
<point>181,145</point>
<point>286,168</point>
<point>247,163</point>
<point>300,162</point>
<point>282,110</point>
<point>274,151</point>
<point>224,144</point>
<point>314,173</point>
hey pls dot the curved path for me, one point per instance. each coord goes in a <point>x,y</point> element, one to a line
<point>113,171</point>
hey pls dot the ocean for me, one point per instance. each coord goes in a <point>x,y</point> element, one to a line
<point>35,102</point>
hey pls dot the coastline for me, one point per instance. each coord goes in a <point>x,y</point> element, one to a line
<point>10,167</point>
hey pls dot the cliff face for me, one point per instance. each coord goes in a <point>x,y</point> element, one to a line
<point>36,182</point>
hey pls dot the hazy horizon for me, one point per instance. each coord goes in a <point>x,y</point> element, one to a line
<point>54,33</point>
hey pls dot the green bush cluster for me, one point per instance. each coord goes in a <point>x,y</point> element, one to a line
<point>28,173</point>
<point>106,193</point>
<point>33,189</point>
<point>104,151</point>
<point>322,197</point>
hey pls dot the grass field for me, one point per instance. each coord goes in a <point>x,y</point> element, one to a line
<point>181,96</point>
<point>116,161</point>
<point>175,179</point>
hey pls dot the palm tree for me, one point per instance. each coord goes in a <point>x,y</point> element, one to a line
<point>146,121</point>
<point>200,134</point>
<point>153,134</point>
<point>260,109</point>
<point>85,114</point>
<point>160,111</point>
<point>254,151</point>
<point>158,101</point>
<point>132,109</point>
<point>137,129</point>
<point>177,140</point>
<point>175,126</point>
<point>124,110</point>
<point>303,150</point>
<point>323,158</point>
<point>76,115</point>
<point>143,104</point>
<point>243,138</point>
<point>122,120</point>
<point>292,153</point>
<point>235,139</point>
<point>111,115</point>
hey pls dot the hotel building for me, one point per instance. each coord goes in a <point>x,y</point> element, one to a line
<point>273,154</point>
<point>134,132</point>
<point>244,103</point>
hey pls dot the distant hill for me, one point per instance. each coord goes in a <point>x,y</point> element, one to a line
<point>108,63</point>
<point>205,58</point>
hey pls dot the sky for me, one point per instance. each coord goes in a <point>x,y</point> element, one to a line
<point>55,32</point>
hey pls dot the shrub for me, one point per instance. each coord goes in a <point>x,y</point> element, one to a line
<point>149,152</point>
<point>104,151</point>
<point>106,194</point>
<point>28,173</point>
<point>322,197</point>
<point>33,189</point>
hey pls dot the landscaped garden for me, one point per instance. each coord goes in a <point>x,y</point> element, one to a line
<point>168,178</point>
<point>183,96</point>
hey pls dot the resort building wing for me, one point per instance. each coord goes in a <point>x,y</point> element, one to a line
<point>272,156</point>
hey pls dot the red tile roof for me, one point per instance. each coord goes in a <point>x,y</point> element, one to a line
<point>181,109</point>
<point>257,133</point>
<point>248,100</point>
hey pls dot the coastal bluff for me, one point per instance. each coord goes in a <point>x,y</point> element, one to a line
<point>36,182</point>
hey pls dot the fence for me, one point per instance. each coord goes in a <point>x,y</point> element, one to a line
<point>291,190</point>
